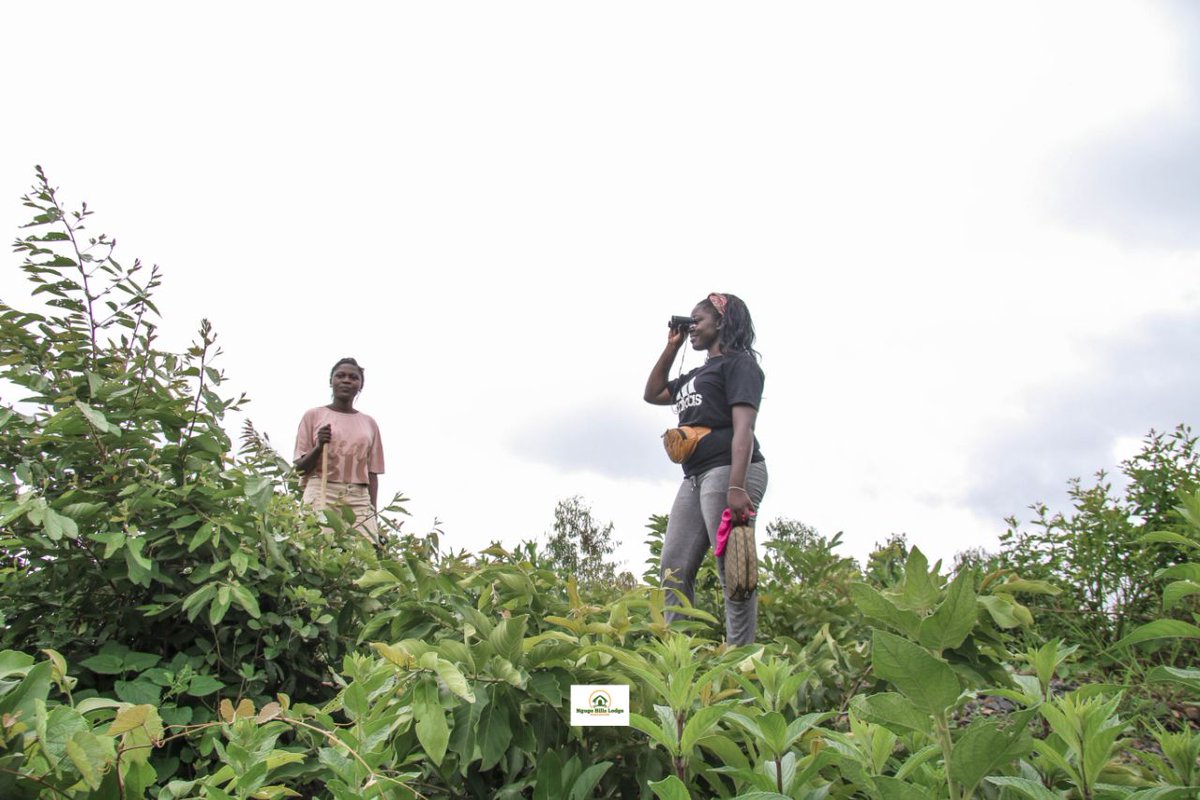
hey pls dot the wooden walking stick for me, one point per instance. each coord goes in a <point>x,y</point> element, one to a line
<point>324,473</point>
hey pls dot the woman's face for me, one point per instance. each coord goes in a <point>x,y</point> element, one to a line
<point>706,327</point>
<point>346,382</point>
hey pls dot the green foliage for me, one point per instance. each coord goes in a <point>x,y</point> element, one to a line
<point>1097,553</point>
<point>580,546</point>
<point>135,544</point>
<point>175,625</point>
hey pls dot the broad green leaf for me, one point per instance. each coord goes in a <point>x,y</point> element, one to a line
<point>507,636</point>
<point>892,710</point>
<point>1022,586</point>
<point>58,526</point>
<point>549,778</point>
<point>547,686</point>
<point>140,662</point>
<point>804,723</point>
<point>204,685</point>
<point>893,789</point>
<point>220,606</point>
<point>1160,629</point>
<point>14,662</point>
<point>875,605</point>
<point>354,700</point>
<point>1179,572</point>
<point>62,723</point>
<point>495,729</point>
<point>92,755</point>
<point>464,736</point>
<point>1005,611</point>
<point>585,784</point>
<point>699,724</point>
<point>1030,788</point>
<point>950,624</point>
<point>679,685</point>
<point>194,602</point>
<point>917,760</point>
<point>246,600</point>
<point>670,726</point>
<point>653,730</point>
<point>33,688</point>
<point>984,749</point>
<point>94,416</point>
<point>919,593</point>
<point>1168,537</point>
<point>549,636</point>
<point>1166,793</point>
<point>1188,677</point>
<point>397,655</point>
<point>728,751</point>
<point>249,780</point>
<point>104,664</point>
<point>259,490</point>
<point>927,681</point>
<point>129,718</point>
<point>1177,590</point>
<point>58,671</point>
<point>433,732</point>
<point>138,692</point>
<point>138,567</point>
<point>96,703</point>
<point>454,680</point>
<point>139,776</point>
<point>505,671</point>
<point>670,788</point>
<point>376,577</point>
<point>202,535</point>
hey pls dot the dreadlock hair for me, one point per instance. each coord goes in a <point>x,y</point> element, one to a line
<point>362,373</point>
<point>737,329</point>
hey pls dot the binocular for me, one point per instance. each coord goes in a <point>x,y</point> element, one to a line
<point>677,322</point>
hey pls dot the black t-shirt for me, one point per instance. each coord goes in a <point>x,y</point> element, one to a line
<point>706,396</point>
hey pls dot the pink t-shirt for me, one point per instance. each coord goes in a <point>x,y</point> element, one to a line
<point>355,449</point>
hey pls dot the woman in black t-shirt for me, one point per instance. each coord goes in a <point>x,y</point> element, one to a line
<point>727,469</point>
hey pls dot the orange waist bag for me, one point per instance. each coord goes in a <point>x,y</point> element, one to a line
<point>681,442</point>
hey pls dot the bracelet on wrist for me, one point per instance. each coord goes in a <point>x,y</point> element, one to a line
<point>738,488</point>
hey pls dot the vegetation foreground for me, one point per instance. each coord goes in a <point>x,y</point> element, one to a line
<point>173,624</point>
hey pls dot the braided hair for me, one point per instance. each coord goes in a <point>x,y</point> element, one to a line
<point>737,329</point>
<point>362,373</point>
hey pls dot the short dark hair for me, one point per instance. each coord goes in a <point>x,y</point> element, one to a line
<point>362,373</point>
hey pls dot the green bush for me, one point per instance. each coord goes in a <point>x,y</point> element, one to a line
<point>175,625</point>
<point>1095,554</point>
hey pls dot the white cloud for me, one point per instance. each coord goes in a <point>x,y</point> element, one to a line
<point>496,208</point>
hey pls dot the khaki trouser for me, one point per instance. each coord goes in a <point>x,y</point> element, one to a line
<point>354,495</point>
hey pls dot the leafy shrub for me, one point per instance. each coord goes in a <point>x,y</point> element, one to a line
<point>202,636</point>
<point>1095,554</point>
<point>134,543</point>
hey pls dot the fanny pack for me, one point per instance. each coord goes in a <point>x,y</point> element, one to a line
<point>681,442</point>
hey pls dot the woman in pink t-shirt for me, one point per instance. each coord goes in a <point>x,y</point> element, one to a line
<point>345,443</point>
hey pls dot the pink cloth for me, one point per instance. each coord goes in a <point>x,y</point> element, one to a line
<point>723,531</point>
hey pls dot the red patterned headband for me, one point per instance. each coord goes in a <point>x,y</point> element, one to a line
<point>719,301</point>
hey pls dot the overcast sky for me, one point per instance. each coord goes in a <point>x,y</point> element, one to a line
<point>967,235</point>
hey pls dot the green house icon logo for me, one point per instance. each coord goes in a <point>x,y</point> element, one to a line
<point>600,701</point>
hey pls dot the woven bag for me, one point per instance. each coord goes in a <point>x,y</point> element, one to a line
<point>741,563</point>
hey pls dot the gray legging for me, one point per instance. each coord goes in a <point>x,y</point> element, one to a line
<point>692,529</point>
